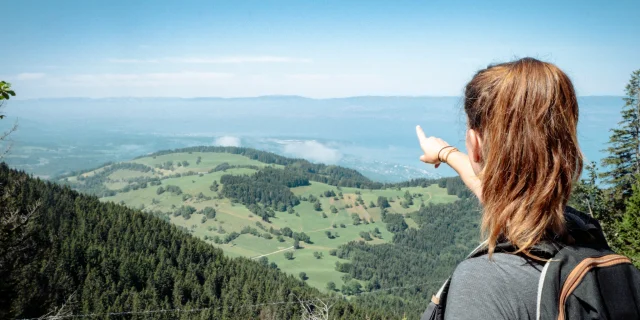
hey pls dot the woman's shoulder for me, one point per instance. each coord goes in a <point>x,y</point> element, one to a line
<point>501,287</point>
<point>500,264</point>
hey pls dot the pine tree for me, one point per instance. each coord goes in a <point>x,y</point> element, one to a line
<point>588,197</point>
<point>629,230</point>
<point>624,146</point>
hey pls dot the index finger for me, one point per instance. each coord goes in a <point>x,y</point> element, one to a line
<point>421,136</point>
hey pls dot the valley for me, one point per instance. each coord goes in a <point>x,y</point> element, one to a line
<point>331,207</point>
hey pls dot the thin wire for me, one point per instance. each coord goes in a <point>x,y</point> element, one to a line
<point>123,313</point>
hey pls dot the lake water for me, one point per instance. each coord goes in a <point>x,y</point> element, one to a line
<point>373,134</point>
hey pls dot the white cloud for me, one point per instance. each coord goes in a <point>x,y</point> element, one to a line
<point>30,76</point>
<point>227,141</point>
<point>217,60</point>
<point>312,150</point>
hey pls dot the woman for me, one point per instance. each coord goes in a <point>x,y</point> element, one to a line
<point>523,158</point>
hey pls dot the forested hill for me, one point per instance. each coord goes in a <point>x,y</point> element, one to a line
<point>329,174</point>
<point>77,255</point>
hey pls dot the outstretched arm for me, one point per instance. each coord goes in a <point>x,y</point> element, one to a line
<point>457,160</point>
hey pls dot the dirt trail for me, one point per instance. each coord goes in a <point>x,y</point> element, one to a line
<point>268,254</point>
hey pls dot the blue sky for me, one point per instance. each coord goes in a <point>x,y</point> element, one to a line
<point>310,48</point>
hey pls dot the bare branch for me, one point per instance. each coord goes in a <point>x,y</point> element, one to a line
<point>315,309</point>
<point>4,137</point>
<point>62,312</point>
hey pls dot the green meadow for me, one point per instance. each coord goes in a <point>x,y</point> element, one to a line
<point>327,230</point>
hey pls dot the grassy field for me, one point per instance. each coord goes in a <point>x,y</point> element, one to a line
<point>233,217</point>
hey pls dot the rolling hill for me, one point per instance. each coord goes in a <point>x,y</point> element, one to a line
<point>289,213</point>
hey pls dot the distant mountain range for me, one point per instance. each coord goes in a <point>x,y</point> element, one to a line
<point>372,134</point>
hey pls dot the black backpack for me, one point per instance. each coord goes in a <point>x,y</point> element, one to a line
<point>586,280</point>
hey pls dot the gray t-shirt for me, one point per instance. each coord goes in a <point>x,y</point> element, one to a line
<point>504,287</point>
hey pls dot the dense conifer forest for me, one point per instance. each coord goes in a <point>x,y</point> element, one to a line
<point>64,249</point>
<point>417,261</point>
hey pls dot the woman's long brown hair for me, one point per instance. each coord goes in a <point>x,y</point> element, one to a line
<point>526,113</point>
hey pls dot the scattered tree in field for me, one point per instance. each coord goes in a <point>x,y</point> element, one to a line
<point>317,206</point>
<point>333,252</point>
<point>317,254</point>
<point>287,232</point>
<point>324,215</point>
<point>365,235</point>
<point>160,190</point>
<point>264,261</point>
<point>331,286</point>
<point>303,276</point>
<point>296,244</point>
<point>203,220</point>
<point>291,210</point>
<point>329,193</point>
<point>288,255</point>
<point>185,163</point>
<point>173,189</point>
<point>209,212</point>
<point>334,209</point>
<point>214,186</point>
<point>356,219</point>
<point>198,160</point>
<point>301,237</point>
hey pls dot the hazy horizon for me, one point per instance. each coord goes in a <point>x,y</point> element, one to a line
<point>374,135</point>
<point>273,96</point>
